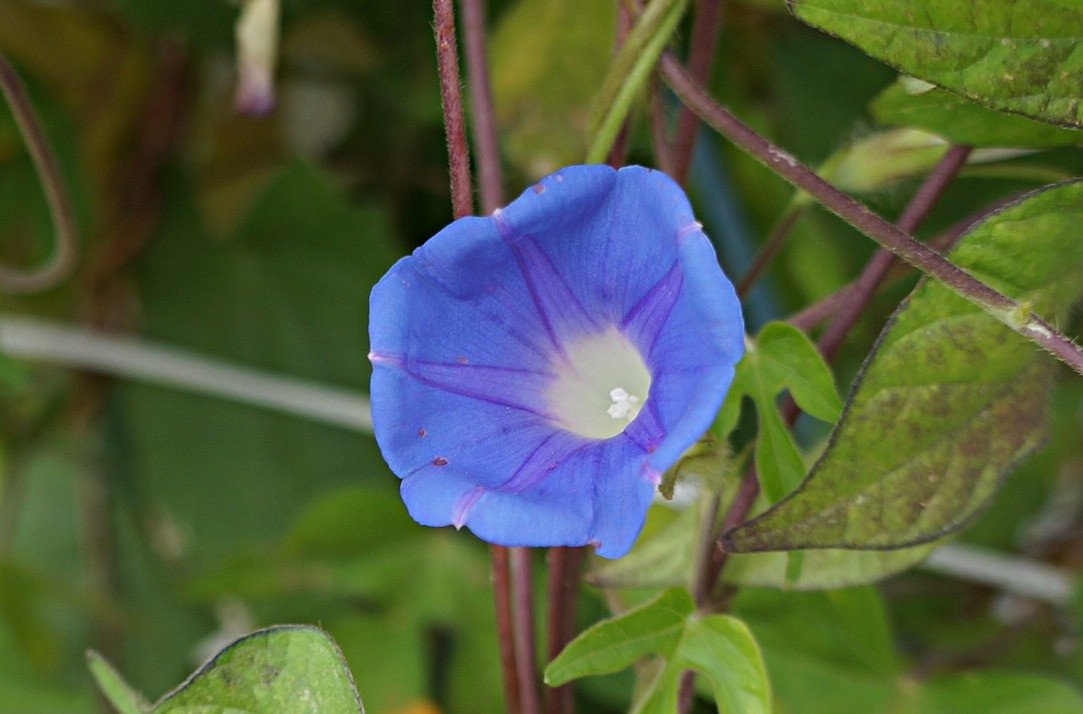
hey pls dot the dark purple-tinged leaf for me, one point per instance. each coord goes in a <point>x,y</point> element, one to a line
<point>948,401</point>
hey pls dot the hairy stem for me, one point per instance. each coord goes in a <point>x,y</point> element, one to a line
<point>823,309</point>
<point>512,590</point>
<point>41,152</point>
<point>447,59</point>
<point>921,256</point>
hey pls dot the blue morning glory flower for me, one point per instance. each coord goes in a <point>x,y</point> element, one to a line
<point>536,371</point>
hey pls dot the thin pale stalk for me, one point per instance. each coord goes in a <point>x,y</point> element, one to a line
<point>447,60</point>
<point>522,590</point>
<point>701,53</point>
<point>1008,311</point>
<point>62,260</point>
<point>487,151</point>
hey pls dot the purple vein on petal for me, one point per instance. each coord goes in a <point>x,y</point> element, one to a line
<point>558,307</point>
<point>647,317</point>
<point>545,457</point>
<point>647,430</point>
<point>501,386</point>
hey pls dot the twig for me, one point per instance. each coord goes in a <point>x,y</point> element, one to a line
<point>701,52</point>
<point>487,151</point>
<point>60,264</point>
<point>921,256</point>
<point>447,59</point>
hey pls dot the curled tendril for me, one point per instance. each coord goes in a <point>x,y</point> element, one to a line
<point>56,270</point>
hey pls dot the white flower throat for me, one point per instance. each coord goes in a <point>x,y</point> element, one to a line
<point>600,386</point>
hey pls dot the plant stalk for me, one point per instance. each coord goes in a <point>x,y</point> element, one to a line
<point>1017,317</point>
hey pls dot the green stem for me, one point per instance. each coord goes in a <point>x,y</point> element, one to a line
<point>632,67</point>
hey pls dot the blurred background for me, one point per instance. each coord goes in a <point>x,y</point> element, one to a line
<point>154,522</point>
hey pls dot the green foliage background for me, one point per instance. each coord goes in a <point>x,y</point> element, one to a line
<point>153,524</point>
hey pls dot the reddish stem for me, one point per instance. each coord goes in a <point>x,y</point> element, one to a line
<point>876,270</point>
<point>447,59</point>
<point>625,20</point>
<point>770,249</point>
<point>522,590</point>
<point>921,256</point>
<point>505,628</point>
<point>701,53</point>
<point>663,155</point>
<point>564,565</point>
<point>487,153</point>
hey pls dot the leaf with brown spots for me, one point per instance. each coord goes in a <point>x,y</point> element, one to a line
<point>948,400</point>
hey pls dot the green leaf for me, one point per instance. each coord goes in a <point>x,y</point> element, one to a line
<point>781,357</point>
<point>544,123</point>
<point>614,644</point>
<point>1020,56</point>
<point>292,668</point>
<point>116,690</point>
<point>349,547</point>
<point>718,646</point>
<point>961,121</point>
<point>787,359</point>
<point>722,648</point>
<point>956,396</point>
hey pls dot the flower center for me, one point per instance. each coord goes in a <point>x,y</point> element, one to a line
<point>601,384</point>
